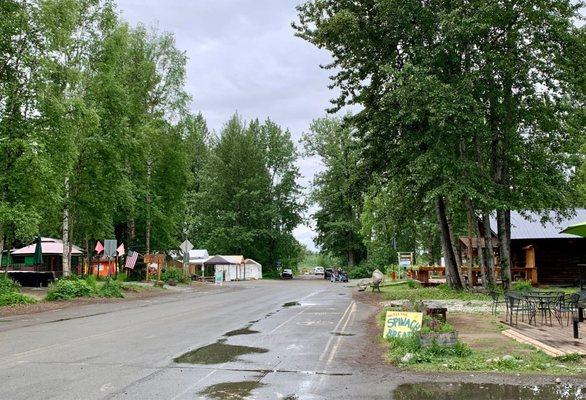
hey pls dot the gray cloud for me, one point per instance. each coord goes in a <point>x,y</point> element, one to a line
<point>244,57</point>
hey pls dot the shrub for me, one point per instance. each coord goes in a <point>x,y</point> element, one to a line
<point>92,281</point>
<point>363,270</point>
<point>7,285</point>
<point>522,286</point>
<point>122,277</point>
<point>111,288</point>
<point>65,289</point>
<point>173,273</point>
<point>413,284</point>
<point>12,298</point>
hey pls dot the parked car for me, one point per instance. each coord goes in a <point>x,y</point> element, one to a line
<point>328,273</point>
<point>318,271</point>
<point>287,274</point>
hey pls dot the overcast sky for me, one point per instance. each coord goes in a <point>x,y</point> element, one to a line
<point>243,57</point>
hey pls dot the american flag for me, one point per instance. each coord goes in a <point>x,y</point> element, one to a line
<point>131,259</point>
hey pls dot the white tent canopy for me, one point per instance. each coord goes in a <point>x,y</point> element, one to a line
<point>235,268</point>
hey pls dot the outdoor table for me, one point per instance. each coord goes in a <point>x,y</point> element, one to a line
<point>543,302</point>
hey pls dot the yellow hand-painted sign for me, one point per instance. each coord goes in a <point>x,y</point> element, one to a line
<point>402,324</point>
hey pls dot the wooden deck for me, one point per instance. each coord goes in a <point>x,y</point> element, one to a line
<point>553,340</point>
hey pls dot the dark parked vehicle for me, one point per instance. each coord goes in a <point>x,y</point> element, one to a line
<point>339,276</point>
<point>328,273</point>
<point>287,274</point>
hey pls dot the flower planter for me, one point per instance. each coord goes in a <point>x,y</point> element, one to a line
<point>442,339</point>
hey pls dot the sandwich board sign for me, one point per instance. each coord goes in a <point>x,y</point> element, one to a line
<point>402,323</point>
<point>219,278</point>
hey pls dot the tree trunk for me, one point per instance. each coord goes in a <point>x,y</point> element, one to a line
<point>455,243</point>
<point>471,217</point>
<point>148,201</point>
<point>87,256</point>
<point>2,249</point>
<point>65,260</point>
<point>452,273</point>
<point>504,246</point>
<point>350,258</point>
<point>489,251</point>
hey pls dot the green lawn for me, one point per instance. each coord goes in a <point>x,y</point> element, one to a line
<point>403,291</point>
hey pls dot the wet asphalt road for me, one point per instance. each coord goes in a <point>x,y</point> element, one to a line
<point>127,351</point>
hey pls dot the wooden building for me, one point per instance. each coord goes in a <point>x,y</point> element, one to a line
<point>541,253</point>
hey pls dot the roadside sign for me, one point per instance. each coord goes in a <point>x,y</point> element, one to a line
<point>402,323</point>
<point>110,246</point>
<point>186,246</point>
<point>219,278</point>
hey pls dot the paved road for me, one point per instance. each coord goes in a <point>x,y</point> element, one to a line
<point>127,351</point>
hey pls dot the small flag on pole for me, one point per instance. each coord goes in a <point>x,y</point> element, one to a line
<point>131,259</point>
<point>120,250</point>
<point>99,247</point>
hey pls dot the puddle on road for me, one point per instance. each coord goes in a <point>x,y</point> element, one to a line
<point>292,304</point>
<point>242,331</point>
<point>465,391</point>
<point>342,334</point>
<point>231,390</point>
<point>217,353</point>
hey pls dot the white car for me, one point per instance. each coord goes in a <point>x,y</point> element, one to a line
<point>318,271</point>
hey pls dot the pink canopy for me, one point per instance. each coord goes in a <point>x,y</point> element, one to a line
<point>49,246</point>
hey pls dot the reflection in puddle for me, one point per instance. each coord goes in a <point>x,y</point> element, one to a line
<point>465,391</point>
<point>231,390</point>
<point>217,353</point>
<point>291,304</point>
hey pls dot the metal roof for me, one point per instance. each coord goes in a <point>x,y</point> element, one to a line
<point>49,246</point>
<point>530,225</point>
<point>198,255</point>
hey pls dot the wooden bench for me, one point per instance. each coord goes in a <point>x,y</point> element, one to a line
<point>375,285</point>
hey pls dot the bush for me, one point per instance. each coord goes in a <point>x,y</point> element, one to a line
<point>12,298</point>
<point>413,284</point>
<point>172,273</point>
<point>122,277</point>
<point>522,286</point>
<point>111,288</point>
<point>92,281</point>
<point>435,353</point>
<point>363,270</point>
<point>65,289</point>
<point>7,285</point>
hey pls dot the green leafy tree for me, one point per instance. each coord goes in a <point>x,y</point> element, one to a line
<point>248,201</point>
<point>338,190</point>
<point>464,102</point>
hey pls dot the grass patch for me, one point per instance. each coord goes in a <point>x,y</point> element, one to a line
<point>481,348</point>
<point>134,288</point>
<point>405,291</point>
